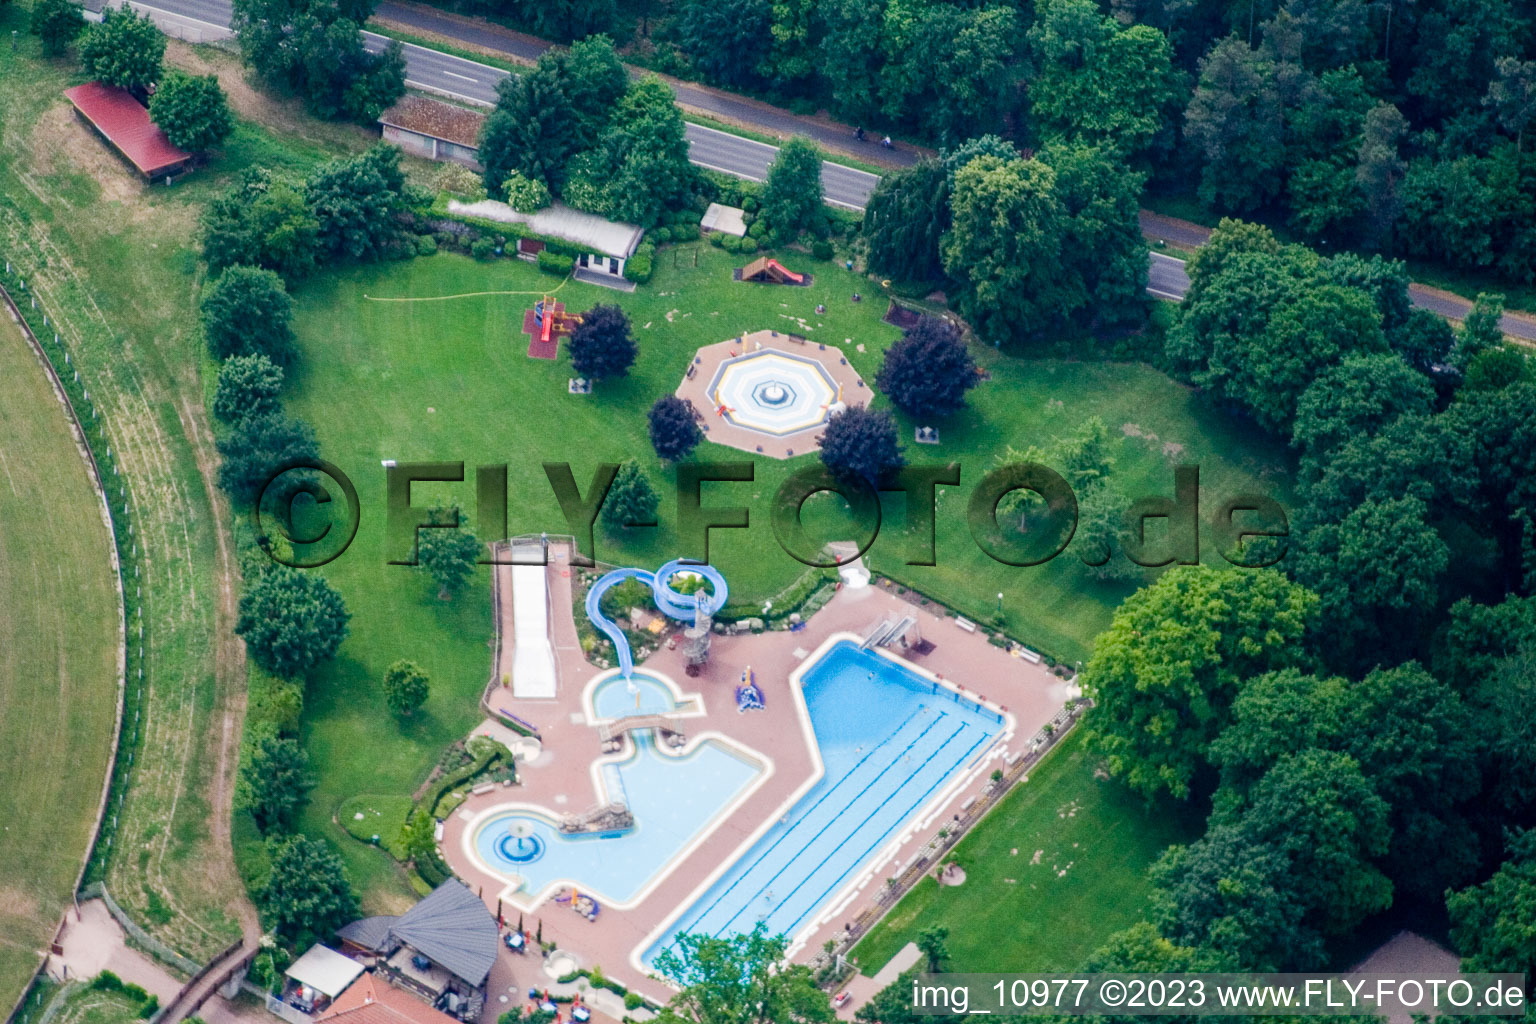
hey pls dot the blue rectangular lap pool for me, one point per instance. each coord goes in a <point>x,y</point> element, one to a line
<point>890,740</point>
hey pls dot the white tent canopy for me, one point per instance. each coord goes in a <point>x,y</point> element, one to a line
<point>325,970</point>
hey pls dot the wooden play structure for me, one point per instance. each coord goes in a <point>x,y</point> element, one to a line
<point>545,324</point>
<point>767,270</point>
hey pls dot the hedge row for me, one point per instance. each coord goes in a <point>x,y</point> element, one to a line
<point>786,602</point>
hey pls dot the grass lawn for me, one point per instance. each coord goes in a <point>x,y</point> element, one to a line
<point>59,641</point>
<point>115,263</point>
<point>1055,869</point>
<point>451,380</point>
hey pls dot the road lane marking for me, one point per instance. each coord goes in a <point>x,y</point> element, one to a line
<point>455,74</point>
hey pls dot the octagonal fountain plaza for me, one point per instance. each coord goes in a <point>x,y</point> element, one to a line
<point>769,392</point>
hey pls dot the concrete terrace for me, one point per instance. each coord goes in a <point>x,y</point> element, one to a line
<point>560,779</point>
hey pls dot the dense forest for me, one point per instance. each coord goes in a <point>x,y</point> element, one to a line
<point>1370,124</point>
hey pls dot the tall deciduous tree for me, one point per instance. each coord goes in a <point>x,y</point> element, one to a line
<point>534,130</point>
<point>447,552</point>
<point>258,448</point>
<point>406,687</point>
<point>639,168</point>
<point>928,371</point>
<point>247,312</point>
<point>1235,122</point>
<point>248,386</point>
<point>1232,894</point>
<point>291,621</point>
<point>1318,809</point>
<point>1491,922</point>
<point>861,443</point>
<point>276,781</point>
<point>356,202</point>
<point>1359,396</point>
<point>743,978</point>
<point>1098,82</point>
<point>264,222</point>
<point>307,896</point>
<point>724,38</point>
<point>674,431</point>
<point>192,111</point>
<point>315,49</point>
<point>124,50</point>
<point>1103,247</point>
<point>56,23</point>
<point>792,195</point>
<point>1165,673</point>
<point>1005,247</point>
<point>602,345</point>
<point>904,220</point>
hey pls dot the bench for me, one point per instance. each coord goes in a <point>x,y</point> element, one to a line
<point>965,623</point>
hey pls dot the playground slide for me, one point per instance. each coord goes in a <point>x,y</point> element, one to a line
<point>683,607</point>
<point>781,268</point>
<point>533,656</point>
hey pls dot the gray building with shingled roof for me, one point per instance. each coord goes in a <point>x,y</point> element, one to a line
<point>443,948</point>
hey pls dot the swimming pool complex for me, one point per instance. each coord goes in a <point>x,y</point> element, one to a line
<point>890,740</point>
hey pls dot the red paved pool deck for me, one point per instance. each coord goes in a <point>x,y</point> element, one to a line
<point>560,778</point>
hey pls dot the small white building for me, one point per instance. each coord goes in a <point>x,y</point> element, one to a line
<point>433,129</point>
<point>605,244</point>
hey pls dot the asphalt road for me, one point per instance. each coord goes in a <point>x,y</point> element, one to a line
<point>470,81</point>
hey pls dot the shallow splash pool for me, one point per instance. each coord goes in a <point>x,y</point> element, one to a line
<point>612,697</point>
<point>673,800</point>
<point>890,741</point>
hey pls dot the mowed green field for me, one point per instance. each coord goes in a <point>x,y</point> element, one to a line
<point>451,380</point>
<point>1054,870</point>
<point>59,640</point>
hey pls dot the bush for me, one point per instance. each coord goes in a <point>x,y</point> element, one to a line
<point>686,233</point>
<point>757,229</point>
<point>821,249</point>
<point>246,311</point>
<point>638,268</point>
<point>151,1005</point>
<point>555,263</point>
<point>192,111</point>
<point>247,386</point>
<point>730,243</point>
<point>461,181</point>
<point>661,236</point>
<point>106,981</point>
<point>750,204</point>
<point>633,1000</point>
<point>426,245</point>
<point>525,195</point>
<point>483,249</point>
<point>717,240</point>
<point>748,244</point>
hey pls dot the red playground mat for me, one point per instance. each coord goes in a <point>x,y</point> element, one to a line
<point>537,347</point>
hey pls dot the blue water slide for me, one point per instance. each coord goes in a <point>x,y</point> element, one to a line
<point>674,605</point>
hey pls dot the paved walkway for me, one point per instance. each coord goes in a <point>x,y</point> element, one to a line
<point>93,942</point>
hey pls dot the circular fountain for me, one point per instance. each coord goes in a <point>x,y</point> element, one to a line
<point>521,844</point>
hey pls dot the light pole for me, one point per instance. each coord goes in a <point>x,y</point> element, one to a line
<point>999,602</point>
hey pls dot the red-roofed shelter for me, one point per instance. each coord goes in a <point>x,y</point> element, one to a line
<point>370,1000</point>
<point>124,122</point>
